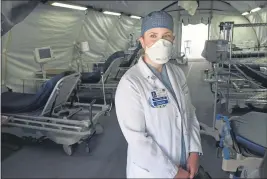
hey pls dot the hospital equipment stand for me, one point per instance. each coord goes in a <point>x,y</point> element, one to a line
<point>227,28</point>
<point>205,129</point>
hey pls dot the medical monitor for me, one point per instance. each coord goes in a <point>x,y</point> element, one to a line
<point>43,55</point>
<point>215,50</point>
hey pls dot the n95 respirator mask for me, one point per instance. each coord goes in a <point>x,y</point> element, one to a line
<point>160,52</point>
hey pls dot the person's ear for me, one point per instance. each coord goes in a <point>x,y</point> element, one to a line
<point>141,40</point>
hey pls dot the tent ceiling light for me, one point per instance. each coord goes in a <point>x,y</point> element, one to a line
<point>256,9</point>
<point>245,13</point>
<point>135,17</point>
<point>112,13</point>
<point>68,6</point>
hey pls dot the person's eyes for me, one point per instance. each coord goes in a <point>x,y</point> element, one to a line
<point>168,36</point>
<point>153,36</point>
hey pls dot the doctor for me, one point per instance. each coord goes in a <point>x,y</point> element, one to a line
<point>154,109</point>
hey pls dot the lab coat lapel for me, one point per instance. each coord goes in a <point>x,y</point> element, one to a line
<point>176,85</point>
<point>148,73</point>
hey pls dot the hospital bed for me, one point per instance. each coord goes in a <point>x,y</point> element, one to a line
<point>52,113</point>
<point>133,57</point>
<point>99,77</point>
<point>253,172</point>
<point>234,87</point>
<point>97,84</point>
<point>106,79</point>
<point>243,140</point>
<point>181,59</point>
<point>247,54</point>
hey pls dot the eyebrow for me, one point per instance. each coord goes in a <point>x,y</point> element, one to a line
<point>152,33</point>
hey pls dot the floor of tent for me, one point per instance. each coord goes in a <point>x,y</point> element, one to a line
<point>108,156</point>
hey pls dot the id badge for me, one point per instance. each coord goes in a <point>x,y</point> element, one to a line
<point>159,98</point>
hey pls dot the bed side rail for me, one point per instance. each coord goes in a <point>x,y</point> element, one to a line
<point>61,92</point>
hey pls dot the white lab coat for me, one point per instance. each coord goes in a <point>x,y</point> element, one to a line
<point>154,134</point>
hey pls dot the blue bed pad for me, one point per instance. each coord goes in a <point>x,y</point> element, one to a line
<point>251,145</point>
<point>250,131</point>
<point>91,77</point>
<point>242,54</point>
<point>13,102</point>
<point>94,77</point>
<point>129,62</point>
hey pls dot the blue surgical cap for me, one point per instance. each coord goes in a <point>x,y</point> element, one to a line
<point>157,19</point>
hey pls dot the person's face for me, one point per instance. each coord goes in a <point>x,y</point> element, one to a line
<point>154,34</point>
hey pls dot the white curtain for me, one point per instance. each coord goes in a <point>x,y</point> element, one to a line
<point>60,28</point>
<point>260,17</point>
<point>195,19</point>
<point>107,34</point>
<point>242,36</point>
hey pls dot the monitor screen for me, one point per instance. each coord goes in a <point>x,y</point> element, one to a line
<point>45,53</point>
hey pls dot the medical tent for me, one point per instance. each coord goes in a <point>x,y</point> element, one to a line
<point>87,41</point>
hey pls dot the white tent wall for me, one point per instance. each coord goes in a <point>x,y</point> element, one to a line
<point>60,28</point>
<point>107,34</point>
<point>260,17</point>
<point>242,36</point>
<point>45,26</point>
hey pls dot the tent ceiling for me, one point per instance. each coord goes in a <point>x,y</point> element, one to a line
<point>141,8</point>
<point>243,6</point>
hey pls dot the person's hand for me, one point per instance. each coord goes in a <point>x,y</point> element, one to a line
<point>192,164</point>
<point>183,174</point>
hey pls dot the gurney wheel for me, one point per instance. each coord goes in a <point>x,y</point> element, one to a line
<point>68,149</point>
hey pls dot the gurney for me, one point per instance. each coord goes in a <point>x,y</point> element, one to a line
<point>98,79</point>
<point>243,140</point>
<point>128,63</point>
<point>253,172</point>
<point>247,54</point>
<point>105,79</point>
<point>250,73</point>
<point>244,83</point>
<point>51,112</point>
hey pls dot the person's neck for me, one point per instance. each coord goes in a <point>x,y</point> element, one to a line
<point>158,67</point>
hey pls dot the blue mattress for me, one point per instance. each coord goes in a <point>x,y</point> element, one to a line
<point>244,54</point>
<point>253,72</point>
<point>129,62</point>
<point>13,102</point>
<point>90,77</point>
<point>94,77</point>
<point>250,131</point>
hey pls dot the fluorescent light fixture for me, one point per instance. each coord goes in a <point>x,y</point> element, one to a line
<point>256,9</point>
<point>68,6</point>
<point>112,13</point>
<point>135,17</point>
<point>245,13</point>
